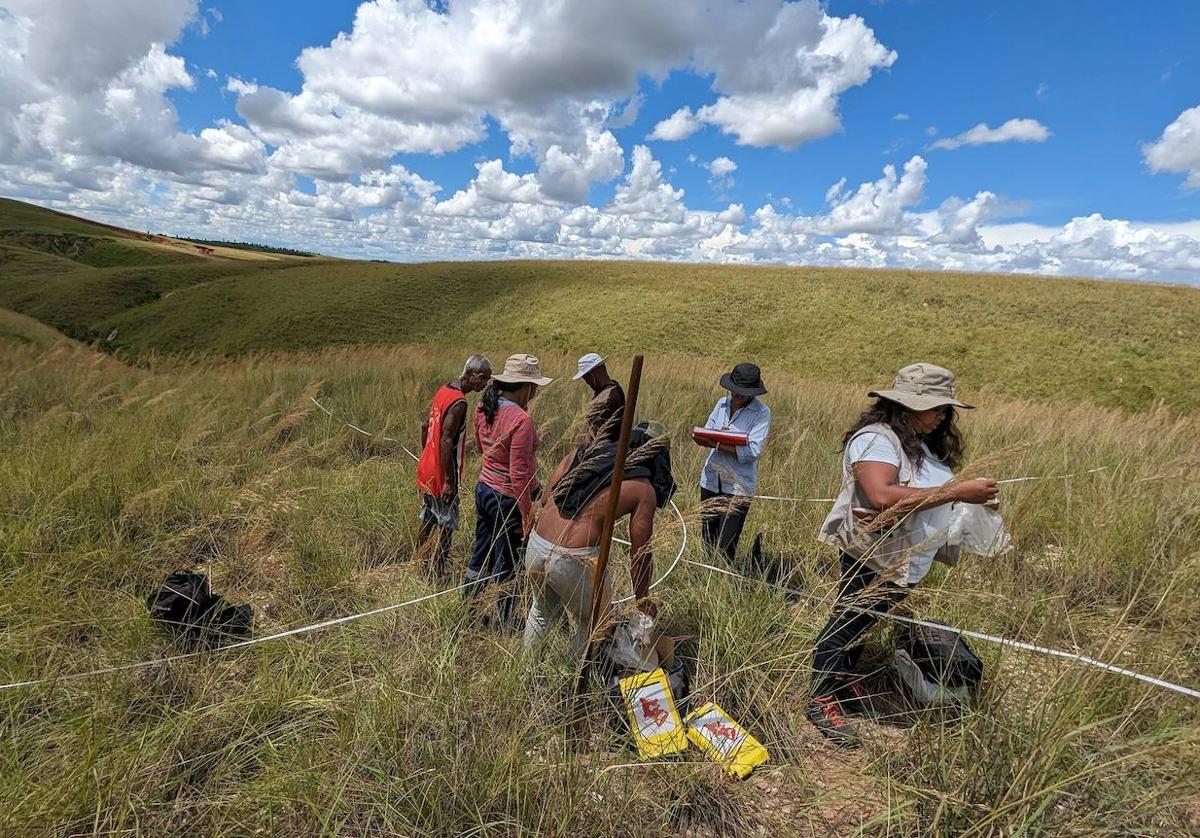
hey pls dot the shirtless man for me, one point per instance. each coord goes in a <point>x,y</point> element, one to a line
<point>565,541</point>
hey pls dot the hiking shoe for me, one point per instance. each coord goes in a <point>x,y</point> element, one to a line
<point>826,716</point>
<point>850,689</point>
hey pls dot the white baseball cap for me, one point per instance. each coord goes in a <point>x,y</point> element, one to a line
<point>588,363</point>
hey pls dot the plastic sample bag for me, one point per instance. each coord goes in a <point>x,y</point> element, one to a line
<point>653,719</point>
<point>725,741</point>
<point>979,529</point>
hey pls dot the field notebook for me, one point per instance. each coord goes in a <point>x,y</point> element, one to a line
<point>728,437</point>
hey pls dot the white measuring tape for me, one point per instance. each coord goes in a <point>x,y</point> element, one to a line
<point>337,620</point>
<point>998,482</point>
<point>791,500</point>
<point>977,635</point>
<point>334,417</point>
<point>754,497</point>
<point>678,556</point>
<point>1053,476</point>
<point>1003,641</point>
<point>242,644</point>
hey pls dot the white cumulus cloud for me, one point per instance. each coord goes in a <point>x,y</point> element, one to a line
<point>678,126</point>
<point>875,207</point>
<point>88,125</point>
<point>410,77</point>
<point>85,95</point>
<point>1178,149</point>
<point>780,72</point>
<point>86,86</point>
<point>1012,131</point>
<point>721,167</point>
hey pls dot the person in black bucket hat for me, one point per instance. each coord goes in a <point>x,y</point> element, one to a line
<point>730,476</point>
<point>744,380</point>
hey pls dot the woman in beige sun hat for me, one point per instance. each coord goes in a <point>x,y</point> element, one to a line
<point>903,448</point>
<point>507,439</point>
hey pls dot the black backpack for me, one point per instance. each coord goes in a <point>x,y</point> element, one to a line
<point>935,665</point>
<point>186,606</point>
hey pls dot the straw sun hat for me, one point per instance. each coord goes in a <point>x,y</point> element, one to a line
<point>522,369</point>
<point>922,387</point>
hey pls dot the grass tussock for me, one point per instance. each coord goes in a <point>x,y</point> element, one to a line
<point>416,723</point>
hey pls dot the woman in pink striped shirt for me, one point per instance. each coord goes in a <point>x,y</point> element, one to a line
<point>507,487</point>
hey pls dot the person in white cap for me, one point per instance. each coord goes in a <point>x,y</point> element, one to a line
<point>890,522</point>
<point>507,440</point>
<point>604,412</point>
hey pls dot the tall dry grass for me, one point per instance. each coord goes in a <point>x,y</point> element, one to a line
<point>415,723</point>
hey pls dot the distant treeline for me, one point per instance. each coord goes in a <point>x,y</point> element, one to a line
<point>261,248</point>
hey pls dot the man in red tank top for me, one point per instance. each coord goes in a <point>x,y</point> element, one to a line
<point>439,468</point>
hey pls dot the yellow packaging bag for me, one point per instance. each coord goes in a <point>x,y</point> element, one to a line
<point>657,729</point>
<point>724,740</point>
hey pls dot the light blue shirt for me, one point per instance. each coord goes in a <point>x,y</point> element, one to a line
<point>738,475</point>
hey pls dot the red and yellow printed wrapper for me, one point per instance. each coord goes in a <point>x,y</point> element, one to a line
<point>724,740</point>
<point>657,729</point>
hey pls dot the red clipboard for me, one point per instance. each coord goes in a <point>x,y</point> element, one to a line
<point>734,438</point>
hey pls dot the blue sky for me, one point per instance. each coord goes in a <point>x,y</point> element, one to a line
<point>1102,83</point>
<point>223,141</point>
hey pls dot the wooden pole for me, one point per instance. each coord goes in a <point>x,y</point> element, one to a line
<point>610,515</point>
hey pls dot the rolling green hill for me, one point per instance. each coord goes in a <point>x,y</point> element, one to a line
<point>1109,343</point>
<point>28,229</point>
<point>29,218</point>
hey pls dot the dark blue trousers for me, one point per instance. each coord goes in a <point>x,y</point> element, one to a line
<point>497,547</point>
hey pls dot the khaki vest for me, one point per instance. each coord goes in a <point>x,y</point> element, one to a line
<point>886,550</point>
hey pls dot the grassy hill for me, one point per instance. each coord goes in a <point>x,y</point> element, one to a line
<point>1109,343</point>
<point>209,454</point>
<point>25,228</point>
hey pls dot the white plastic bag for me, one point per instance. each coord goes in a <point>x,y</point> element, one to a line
<point>979,529</point>
<point>633,644</point>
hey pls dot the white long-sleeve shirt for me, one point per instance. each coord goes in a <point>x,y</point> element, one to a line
<point>738,475</point>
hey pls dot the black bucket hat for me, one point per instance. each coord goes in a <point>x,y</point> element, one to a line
<point>745,380</point>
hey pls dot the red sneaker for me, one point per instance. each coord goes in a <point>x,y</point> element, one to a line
<point>825,713</point>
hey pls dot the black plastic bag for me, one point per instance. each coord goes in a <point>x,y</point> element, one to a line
<point>186,606</point>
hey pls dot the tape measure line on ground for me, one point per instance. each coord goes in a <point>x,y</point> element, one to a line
<point>1017,644</point>
<point>674,508</point>
<point>336,418</point>
<point>756,497</point>
<point>977,635</point>
<point>674,564</point>
<point>244,643</point>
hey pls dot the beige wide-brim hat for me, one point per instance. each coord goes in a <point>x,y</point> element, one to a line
<point>922,387</point>
<point>522,369</point>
